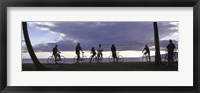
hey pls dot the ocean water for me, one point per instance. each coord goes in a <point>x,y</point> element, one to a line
<point>71,60</point>
<point>105,60</point>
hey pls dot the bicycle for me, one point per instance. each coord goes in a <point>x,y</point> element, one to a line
<point>82,58</point>
<point>95,59</point>
<point>119,58</point>
<point>100,59</point>
<point>51,59</point>
<point>164,60</point>
<point>146,58</point>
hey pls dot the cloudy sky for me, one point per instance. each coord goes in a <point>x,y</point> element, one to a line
<point>125,35</point>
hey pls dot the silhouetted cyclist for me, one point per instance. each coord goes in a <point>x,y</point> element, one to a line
<point>100,54</point>
<point>170,49</point>
<point>78,49</point>
<point>147,51</point>
<point>93,53</point>
<point>114,54</point>
<point>56,53</point>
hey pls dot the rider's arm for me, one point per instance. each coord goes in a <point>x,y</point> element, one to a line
<point>143,50</point>
<point>81,49</point>
<point>57,50</point>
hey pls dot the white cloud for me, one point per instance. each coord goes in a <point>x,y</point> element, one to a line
<point>43,28</point>
<point>172,36</point>
<point>46,26</point>
<point>174,23</point>
<point>61,37</point>
<point>50,24</point>
<point>40,26</point>
<point>67,38</point>
<point>47,29</point>
<point>107,33</point>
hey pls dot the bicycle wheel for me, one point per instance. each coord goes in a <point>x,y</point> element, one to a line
<point>92,59</point>
<point>164,62</point>
<point>51,60</point>
<point>175,56</point>
<point>110,58</point>
<point>147,58</point>
<point>143,58</point>
<point>120,58</point>
<point>75,59</point>
<point>62,61</point>
<point>100,59</point>
<point>84,59</point>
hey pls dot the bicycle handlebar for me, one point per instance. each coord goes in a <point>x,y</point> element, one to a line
<point>57,52</point>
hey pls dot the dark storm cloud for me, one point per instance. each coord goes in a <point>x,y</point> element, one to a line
<point>125,35</point>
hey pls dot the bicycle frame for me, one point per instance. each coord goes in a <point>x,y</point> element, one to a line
<point>82,58</point>
<point>61,60</point>
<point>118,58</point>
<point>175,55</point>
<point>145,57</point>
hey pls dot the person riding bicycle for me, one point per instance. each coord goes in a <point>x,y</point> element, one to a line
<point>56,53</point>
<point>100,54</point>
<point>93,53</point>
<point>114,54</point>
<point>78,49</point>
<point>147,51</point>
<point>170,50</point>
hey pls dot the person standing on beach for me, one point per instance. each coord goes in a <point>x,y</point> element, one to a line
<point>170,50</point>
<point>114,54</point>
<point>100,54</point>
<point>56,53</point>
<point>147,51</point>
<point>78,49</point>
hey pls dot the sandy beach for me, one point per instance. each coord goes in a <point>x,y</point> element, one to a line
<point>125,66</point>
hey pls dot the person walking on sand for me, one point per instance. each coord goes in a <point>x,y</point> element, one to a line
<point>170,50</point>
<point>147,51</point>
<point>56,53</point>
<point>78,49</point>
<point>114,54</point>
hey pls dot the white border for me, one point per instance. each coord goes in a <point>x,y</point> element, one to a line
<point>183,77</point>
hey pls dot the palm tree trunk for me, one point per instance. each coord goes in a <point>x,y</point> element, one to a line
<point>156,41</point>
<point>36,62</point>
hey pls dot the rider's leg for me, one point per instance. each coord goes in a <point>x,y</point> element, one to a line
<point>149,57</point>
<point>56,58</point>
<point>78,57</point>
<point>145,55</point>
<point>170,57</point>
<point>92,57</point>
<point>115,57</point>
<point>59,56</point>
<point>98,56</point>
<point>101,55</point>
